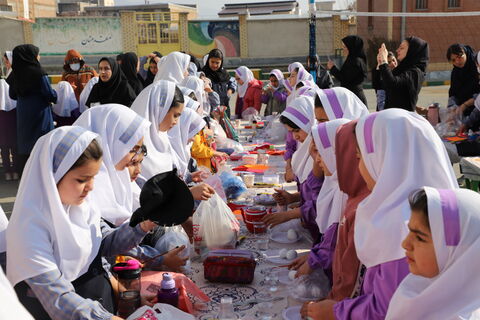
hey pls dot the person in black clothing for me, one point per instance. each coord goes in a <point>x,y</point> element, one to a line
<point>403,84</point>
<point>354,70</point>
<point>324,79</point>
<point>130,66</point>
<point>112,86</point>
<point>464,78</point>
<point>377,80</point>
<point>221,80</point>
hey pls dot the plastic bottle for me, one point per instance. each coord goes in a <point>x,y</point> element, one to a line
<point>226,309</point>
<point>168,293</point>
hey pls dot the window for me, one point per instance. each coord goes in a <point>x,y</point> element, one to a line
<point>142,33</point>
<point>370,19</point>
<point>152,33</point>
<point>421,4</point>
<point>453,3</point>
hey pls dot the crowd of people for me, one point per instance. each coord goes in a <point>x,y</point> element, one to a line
<point>108,161</point>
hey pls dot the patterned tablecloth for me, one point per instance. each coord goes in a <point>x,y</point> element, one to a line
<point>245,293</point>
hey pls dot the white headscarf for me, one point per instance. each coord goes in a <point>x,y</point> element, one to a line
<point>3,228</point>
<point>6,103</point>
<point>455,226</point>
<point>279,75</point>
<point>339,103</point>
<point>153,103</point>
<point>191,104</point>
<point>331,200</point>
<point>181,133</point>
<point>302,113</point>
<point>402,152</point>
<point>86,93</point>
<point>43,234</point>
<point>302,76</point>
<point>119,129</point>
<point>66,100</point>
<point>197,85</point>
<point>246,75</point>
<point>172,67</point>
<point>10,303</point>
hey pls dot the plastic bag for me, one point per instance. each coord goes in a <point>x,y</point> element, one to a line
<point>250,114</point>
<point>450,122</point>
<point>276,131</point>
<point>233,185</point>
<point>312,287</point>
<point>214,225</point>
<point>216,183</point>
<point>226,143</point>
<point>173,237</point>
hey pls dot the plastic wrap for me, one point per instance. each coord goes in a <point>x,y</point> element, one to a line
<point>312,287</point>
<point>233,185</point>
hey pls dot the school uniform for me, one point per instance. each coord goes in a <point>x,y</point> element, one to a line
<point>172,67</point>
<point>249,93</point>
<point>54,250</point>
<point>153,104</point>
<point>65,110</point>
<point>452,294</point>
<point>276,100</point>
<point>331,201</point>
<point>380,222</point>
<point>347,271</point>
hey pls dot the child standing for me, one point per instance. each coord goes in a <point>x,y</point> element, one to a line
<point>249,100</point>
<point>275,94</point>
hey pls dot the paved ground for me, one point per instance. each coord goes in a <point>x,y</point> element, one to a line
<point>8,189</point>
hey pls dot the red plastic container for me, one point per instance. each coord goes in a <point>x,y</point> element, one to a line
<point>253,216</point>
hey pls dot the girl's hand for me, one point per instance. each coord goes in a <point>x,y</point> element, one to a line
<point>304,269</point>
<point>147,225</point>
<point>282,197</point>
<point>297,263</point>
<point>274,219</point>
<point>202,192</point>
<point>321,310</point>
<point>289,175</point>
<point>172,261</point>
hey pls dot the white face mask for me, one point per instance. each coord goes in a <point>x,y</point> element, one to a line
<point>75,66</point>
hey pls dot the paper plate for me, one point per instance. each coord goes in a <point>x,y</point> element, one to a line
<point>281,237</point>
<point>292,313</point>
<point>272,255</point>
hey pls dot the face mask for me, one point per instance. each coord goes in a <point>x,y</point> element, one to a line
<point>75,66</point>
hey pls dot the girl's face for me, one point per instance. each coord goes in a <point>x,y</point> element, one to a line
<point>298,134</point>
<point>392,62</point>
<point>458,60</point>
<point>214,63</point>
<point>320,114</point>
<point>345,50</point>
<point>105,70</point>
<point>293,78</point>
<point>238,79</point>
<point>171,119</point>
<point>369,181</point>
<point>75,185</point>
<point>318,159</point>
<point>130,156</point>
<point>153,67</point>
<point>135,167</point>
<point>274,81</point>
<point>402,50</point>
<point>419,248</point>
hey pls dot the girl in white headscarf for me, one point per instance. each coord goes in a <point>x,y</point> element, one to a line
<point>8,123</point>
<point>249,92</point>
<point>338,102</point>
<point>442,252</point>
<point>55,236</point>
<point>190,124</point>
<point>330,201</point>
<point>65,110</point>
<point>162,103</point>
<point>297,74</point>
<point>275,94</point>
<point>299,119</point>
<point>396,148</point>
<point>86,93</point>
<point>172,67</point>
<point>197,85</point>
<point>122,132</point>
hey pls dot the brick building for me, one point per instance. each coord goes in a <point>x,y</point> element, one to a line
<point>440,32</point>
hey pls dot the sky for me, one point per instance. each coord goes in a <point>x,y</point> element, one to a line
<point>208,9</point>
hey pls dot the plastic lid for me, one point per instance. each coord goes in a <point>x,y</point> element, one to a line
<point>128,270</point>
<point>226,300</point>
<point>168,282</point>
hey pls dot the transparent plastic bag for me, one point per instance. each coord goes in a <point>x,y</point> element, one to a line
<point>216,226</point>
<point>173,237</point>
<point>276,131</point>
<point>226,143</point>
<point>216,183</point>
<point>312,287</point>
<point>450,122</point>
<point>250,114</point>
